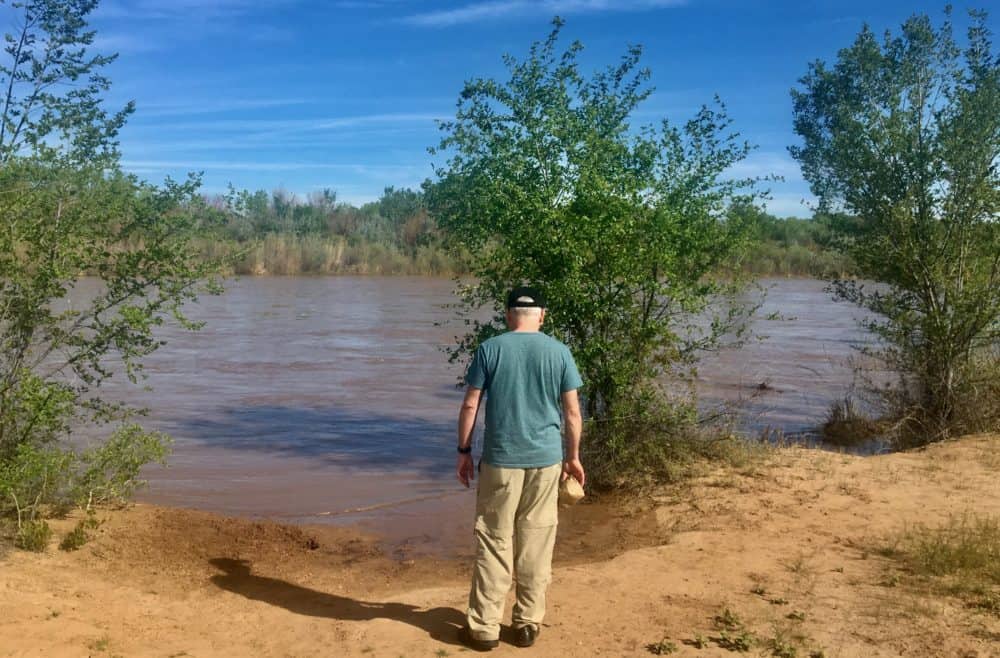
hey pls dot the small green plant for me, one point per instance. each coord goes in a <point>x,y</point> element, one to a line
<point>778,600</point>
<point>728,620</point>
<point>33,536</point>
<point>989,602</point>
<point>733,635</point>
<point>662,648</point>
<point>741,641</point>
<point>699,641</point>
<point>781,646</point>
<point>759,590</point>
<point>91,522</point>
<point>75,539</point>
<point>100,644</point>
<point>799,565</point>
<point>783,649</point>
<point>817,653</point>
<point>796,615</point>
<point>889,580</point>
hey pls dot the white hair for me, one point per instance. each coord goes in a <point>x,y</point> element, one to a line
<point>527,311</point>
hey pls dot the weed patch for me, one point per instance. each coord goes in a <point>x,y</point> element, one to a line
<point>662,648</point>
<point>33,536</point>
<point>960,558</point>
<point>847,426</point>
<point>75,538</point>
<point>740,641</point>
<point>100,644</point>
<point>733,633</point>
<point>728,620</point>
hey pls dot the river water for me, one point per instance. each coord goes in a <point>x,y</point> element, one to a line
<point>330,399</point>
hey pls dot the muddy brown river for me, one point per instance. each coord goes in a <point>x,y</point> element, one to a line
<point>330,399</point>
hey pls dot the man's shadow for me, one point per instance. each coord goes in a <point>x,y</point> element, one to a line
<point>440,623</point>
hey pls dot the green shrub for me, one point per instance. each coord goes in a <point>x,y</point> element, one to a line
<point>33,536</point>
<point>659,440</point>
<point>846,425</point>
<point>39,481</point>
<point>109,472</point>
<point>35,478</point>
<point>75,538</point>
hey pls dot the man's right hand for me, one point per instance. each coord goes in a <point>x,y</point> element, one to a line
<point>574,468</point>
<point>465,470</point>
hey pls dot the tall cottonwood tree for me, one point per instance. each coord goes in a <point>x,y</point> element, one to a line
<point>547,182</point>
<point>901,138</point>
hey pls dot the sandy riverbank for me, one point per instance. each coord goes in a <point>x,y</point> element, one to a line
<point>787,546</point>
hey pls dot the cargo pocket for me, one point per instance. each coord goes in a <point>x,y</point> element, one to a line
<point>497,499</point>
<point>539,499</point>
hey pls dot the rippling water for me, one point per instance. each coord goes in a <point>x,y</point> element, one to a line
<point>329,399</point>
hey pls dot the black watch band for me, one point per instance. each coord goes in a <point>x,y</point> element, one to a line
<point>467,450</point>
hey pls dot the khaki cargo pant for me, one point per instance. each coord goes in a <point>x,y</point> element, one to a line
<point>516,518</point>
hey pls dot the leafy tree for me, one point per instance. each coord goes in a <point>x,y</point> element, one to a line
<point>52,84</point>
<point>68,210</point>
<point>547,183</point>
<point>901,138</point>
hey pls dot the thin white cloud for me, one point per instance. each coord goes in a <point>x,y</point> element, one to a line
<point>380,171</point>
<point>173,9</point>
<point>499,9</point>
<point>124,43</point>
<point>319,123</point>
<point>290,131</point>
<point>366,4</point>
<point>149,110</point>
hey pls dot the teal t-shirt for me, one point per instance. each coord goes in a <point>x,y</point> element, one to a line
<point>523,375</point>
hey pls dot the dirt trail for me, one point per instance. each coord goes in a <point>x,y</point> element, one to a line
<point>787,546</point>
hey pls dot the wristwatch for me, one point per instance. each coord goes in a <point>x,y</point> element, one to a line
<point>467,450</point>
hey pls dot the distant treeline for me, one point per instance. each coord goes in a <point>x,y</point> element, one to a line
<point>795,247</point>
<point>280,233</point>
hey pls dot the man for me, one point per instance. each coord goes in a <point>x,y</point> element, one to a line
<point>530,380</point>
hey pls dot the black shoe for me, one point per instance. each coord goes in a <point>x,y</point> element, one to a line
<point>525,636</point>
<point>465,637</point>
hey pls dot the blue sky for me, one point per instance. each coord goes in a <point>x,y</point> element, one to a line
<point>343,94</point>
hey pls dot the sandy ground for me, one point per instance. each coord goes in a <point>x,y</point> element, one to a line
<point>788,546</point>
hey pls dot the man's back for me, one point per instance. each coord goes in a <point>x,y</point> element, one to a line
<point>523,373</point>
<point>530,381</point>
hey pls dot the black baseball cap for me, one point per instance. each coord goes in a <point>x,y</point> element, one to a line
<point>525,297</point>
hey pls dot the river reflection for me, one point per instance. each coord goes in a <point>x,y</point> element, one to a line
<point>330,399</point>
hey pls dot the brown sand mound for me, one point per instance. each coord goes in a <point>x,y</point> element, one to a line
<point>788,547</point>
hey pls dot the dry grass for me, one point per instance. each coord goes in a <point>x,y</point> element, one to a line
<point>960,558</point>
<point>847,426</point>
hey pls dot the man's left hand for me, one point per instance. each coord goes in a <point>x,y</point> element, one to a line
<point>573,468</point>
<point>465,470</point>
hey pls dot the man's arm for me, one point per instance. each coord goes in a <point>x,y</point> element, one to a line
<point>572,430</point>
<point>466,421</point>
